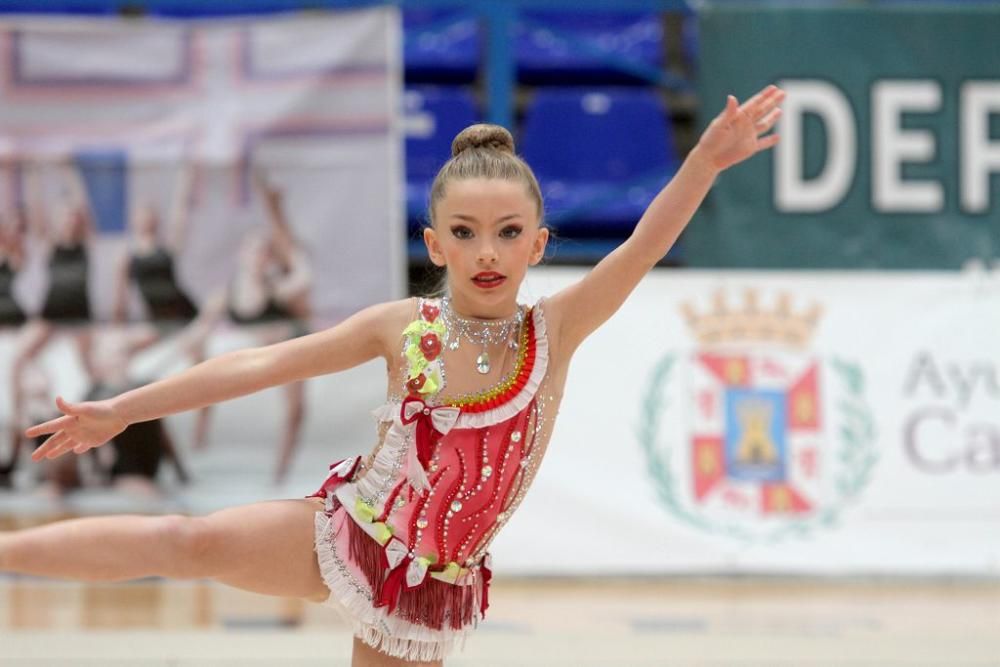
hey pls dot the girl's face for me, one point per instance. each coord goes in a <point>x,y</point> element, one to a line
<point>486,233</point>
<point>74,227</point>
<point>145,221</point>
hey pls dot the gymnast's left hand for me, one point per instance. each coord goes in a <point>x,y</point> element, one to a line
<point>82,426</point>
<point>740,130</point>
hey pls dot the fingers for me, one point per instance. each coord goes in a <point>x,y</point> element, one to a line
<point>770,103</point>
<point>768,142</point>
<point>751,105</point>
<point>732,109</point>
<point>763,102</point>
<point>764,125</point>
<point>50,426</point>
<point>51,448</point>
<point>67,408</point>
<point>768,121</point>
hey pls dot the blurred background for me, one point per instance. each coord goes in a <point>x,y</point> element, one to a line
<point>783,450</point>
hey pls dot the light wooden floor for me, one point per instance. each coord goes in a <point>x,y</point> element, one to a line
<point>670,622</point>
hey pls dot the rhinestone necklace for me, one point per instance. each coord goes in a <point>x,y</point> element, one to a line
<point>479,332</point>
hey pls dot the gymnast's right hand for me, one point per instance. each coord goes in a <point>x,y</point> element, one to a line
<point>83,426</point>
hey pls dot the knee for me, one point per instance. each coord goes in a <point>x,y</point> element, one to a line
<point>187,546</point>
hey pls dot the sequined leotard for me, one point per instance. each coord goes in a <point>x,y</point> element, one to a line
<point>403,541</point>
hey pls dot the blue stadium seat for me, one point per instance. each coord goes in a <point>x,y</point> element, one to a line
<point>553,47</point>
<point>432,117</point>
<point>600,155</point>
<point>690,45</point>
<point>440,46</point>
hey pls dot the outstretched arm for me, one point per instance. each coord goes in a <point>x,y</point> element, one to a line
<point>180,209</point>
<point>274,210</point>
<point>736,134</point>
<point>119,312</point>
<point>34,203</point>
<point>361,337</point>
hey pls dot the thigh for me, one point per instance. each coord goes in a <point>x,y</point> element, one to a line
<point>266,547</point>
<point>32,338</point>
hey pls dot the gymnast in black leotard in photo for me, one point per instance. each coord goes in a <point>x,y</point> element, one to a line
<point>270,295</point>
<point>13,223</point>
<point>13,228</point>
<point>150,265</point>
<point>132,464</point>
<point>65,239</point>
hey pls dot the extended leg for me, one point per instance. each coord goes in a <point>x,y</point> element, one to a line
<point>264,548</point>
<point>295,402</point>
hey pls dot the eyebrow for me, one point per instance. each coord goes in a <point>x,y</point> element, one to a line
<point>468,218</point>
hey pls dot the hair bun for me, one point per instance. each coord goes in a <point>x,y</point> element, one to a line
<point>482,135</point>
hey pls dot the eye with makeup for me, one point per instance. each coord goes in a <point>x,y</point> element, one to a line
<point>464,233</point>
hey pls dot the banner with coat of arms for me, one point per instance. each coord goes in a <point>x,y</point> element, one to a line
<point>776,422</point>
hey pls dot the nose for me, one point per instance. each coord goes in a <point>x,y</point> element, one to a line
<point>487,252</point>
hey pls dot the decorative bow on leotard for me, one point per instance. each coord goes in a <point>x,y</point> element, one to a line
<point>404,571</point>
<point>431,424</point>
<point>340,472</point>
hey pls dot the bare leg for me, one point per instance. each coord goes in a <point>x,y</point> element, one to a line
<point>295,394</point>
<point>265,548</point>
<point>32,340</point>
<point>170,454</point>
<point>84,339</point>
<point>202,422</point>
<point>366,656</point>
<point>204,416</point>
<point>193,339</point>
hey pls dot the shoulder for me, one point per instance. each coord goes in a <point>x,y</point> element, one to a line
<point>550,312</point>
<point>375,330</point>
<point>388,319</point>
<point>393,316</point>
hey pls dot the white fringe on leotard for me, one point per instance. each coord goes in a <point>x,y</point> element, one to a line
<point>352,597</point>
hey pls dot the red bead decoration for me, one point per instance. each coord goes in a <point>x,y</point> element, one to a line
<point>415,384</point>
<point>430,312</point>
<point>526,365</point>
<point>430,345</point>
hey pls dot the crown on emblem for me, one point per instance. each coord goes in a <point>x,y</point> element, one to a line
<point>751,323</point>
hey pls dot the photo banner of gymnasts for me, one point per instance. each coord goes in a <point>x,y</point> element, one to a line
<point>173,190</point>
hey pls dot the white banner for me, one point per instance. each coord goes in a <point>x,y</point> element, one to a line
<point>194,125</point>
<point>819,423</point>
<point>171,190</point>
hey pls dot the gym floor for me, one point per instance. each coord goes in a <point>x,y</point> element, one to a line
<point>708,622</point>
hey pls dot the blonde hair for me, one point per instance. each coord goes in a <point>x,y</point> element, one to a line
<point>485,151</point>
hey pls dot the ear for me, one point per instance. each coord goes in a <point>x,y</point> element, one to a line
<point>433,247</point>
<point>538,246</point>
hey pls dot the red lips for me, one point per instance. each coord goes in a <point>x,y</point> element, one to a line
<point>488,279</point>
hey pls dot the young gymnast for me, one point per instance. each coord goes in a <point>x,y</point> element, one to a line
<point>397,540</point>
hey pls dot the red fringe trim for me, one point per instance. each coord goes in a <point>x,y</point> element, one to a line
<point>433,603</point>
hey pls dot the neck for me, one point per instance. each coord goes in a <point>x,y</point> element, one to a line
<point>473,311</point>
<point>145,244</point>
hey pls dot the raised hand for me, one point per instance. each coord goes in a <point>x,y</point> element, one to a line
<point>83,426</point>
<point>738,132</point>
